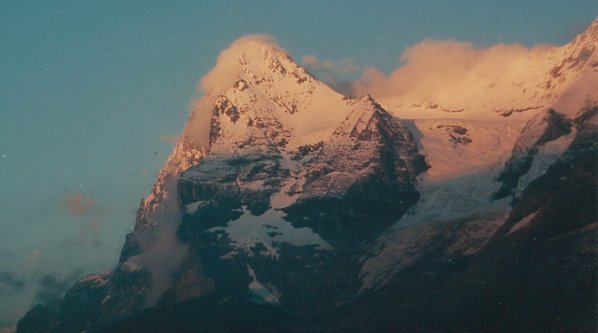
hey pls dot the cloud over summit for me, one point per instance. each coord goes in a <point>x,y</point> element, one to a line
<point>221,77</point>
<point>447,65</point>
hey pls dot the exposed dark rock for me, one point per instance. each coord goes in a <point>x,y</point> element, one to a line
<point>40,319</point>
<point>241,85</point>
<point>538,131</point>
<point>361,181</point>
<point>457,134</point>
<point>305,150</point>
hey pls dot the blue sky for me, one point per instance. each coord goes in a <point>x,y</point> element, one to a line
<point>91,92</point>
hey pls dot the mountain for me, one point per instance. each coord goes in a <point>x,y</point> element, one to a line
<point>510,81</point>
<point>288,207</point>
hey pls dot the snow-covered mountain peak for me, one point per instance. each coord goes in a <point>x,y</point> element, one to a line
<point>256,100</point>
<point>581,57</point>
<point>256,87</point>
<point>560,70</point>
<point>589,35</point>
<point>579,54</point>
<point>499,82</point>
<point>254,60</point>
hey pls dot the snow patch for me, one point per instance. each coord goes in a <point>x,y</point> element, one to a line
<point>99,279</point>
<point>400,248</point>
<point>106,299</point>
<point>460,182</point>
<point>282,199</point>
<point>132,264</point>
<point>268,230</point>
<point>522,223</point>
<point>258,292</point>
<point>546,156</point>
<point>192,207</point>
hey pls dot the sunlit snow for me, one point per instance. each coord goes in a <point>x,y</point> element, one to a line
<point>269,230</point>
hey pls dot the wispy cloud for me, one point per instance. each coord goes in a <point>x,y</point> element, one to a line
<point>77,204</point>
<point>7,329</point>
<point>162,253</point>
<point>6,254</point>
<point>455,74</point>
<point>432,67</point>
<point>220,78</point>
<point>34,257</point>
<point>89,212</point>
<point>312,62</point>
<point>10,283</point>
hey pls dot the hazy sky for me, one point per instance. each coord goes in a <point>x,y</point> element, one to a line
<point>92,93</point>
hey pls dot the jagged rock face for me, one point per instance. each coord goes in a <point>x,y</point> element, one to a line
<point>361,181</point>
<point>85,304</point>
<point>185,155</point>
<point>574,172</point>
<point>265,141</point>
<point>457,134</point>
<point>216,191</point>
<point>295,216</point>
<point>538,131</point>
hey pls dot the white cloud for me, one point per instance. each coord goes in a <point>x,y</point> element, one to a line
<point>77,204</point>
<point>456,75</point>
<point>220,78</point>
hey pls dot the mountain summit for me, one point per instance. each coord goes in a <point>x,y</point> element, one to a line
<point>256,98</point>
<point>447,79</point>
<point>288,207</point>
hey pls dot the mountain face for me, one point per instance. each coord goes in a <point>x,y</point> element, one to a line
<point>541,129</point>
<point>288,207</point>
<point>509,81</point>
